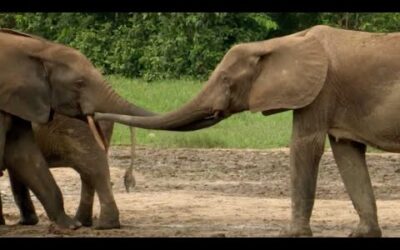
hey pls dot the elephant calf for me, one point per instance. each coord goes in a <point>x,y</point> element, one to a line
<point>68,142</point>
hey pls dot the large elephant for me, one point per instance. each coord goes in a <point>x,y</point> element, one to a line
<point>39,78</point>
<point>339,83</point>
<point>68,142</point>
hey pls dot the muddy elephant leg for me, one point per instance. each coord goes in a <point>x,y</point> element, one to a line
<point>23,200</point>
<point>3,133</point>
<point>306,149</point>
<point>95,176</point>
<point>350,158</point>
<point>24,159</point>
<point>2,220</point>
<point>109,214</point>
<point>5,123</point>
<point>85,210</point>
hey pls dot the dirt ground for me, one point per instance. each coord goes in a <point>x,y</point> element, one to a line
<point>216,193</point>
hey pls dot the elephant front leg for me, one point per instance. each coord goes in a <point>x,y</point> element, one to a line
<point>85,209</point>
<point>95,176</point>
<point>5,122</point>
<point>109,214</point>
<point>350,158</point>
<point>26,163</point>
<point>305,154</point>
<point>24,202</point>
<point>2,220</point>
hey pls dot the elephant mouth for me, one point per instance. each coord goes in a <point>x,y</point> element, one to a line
<point>97,133</point>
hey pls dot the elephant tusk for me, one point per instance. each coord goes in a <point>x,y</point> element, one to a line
<point>93,128</point>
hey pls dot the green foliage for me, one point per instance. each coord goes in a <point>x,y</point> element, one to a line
<point>157,46</point>
<point>149,45</point>
<point>373,22</point>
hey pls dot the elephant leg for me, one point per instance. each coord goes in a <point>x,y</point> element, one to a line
<point>2,220</point>
<point>3,133</point>
<point>23,200</point>
<point>95,176</point>
<point>306,149</point>
<point>5,121</point>
<point>85,210</point>
<point>350,158</point>
<point>4,126</point>
<point>109,214</point>
<point>24,159</point>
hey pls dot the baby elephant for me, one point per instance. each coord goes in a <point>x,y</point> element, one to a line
<point>69,142</point>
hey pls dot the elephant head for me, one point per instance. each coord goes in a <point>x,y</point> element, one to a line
<point>266,76</point>
<point>39,77</point>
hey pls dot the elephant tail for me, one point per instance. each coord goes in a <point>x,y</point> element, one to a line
<point>129,178</point>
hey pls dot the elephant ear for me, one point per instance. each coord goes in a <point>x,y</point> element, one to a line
<point>24,89</point>
<point>292,72</point>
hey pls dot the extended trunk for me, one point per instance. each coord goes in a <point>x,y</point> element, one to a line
<point>188,118</point>
<point>196,114</point>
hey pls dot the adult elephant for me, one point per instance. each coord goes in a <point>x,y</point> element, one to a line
<point>340,83</point>
<point>37,79</point>
<point>66,141</point>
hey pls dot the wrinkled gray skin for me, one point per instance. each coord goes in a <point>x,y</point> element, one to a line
<point>37,79</point>
<point>68,142</point>
<point>339,83</point>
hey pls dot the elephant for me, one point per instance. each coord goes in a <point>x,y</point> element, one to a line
<point>67,141</point>
<point>338,83</point>
<point>38,79</point>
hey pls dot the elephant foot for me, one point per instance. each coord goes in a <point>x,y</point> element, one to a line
<point>29,220</point>
<point>86,222</point>
<point>84,218</point>
<point>296,231</point>
<point>103,224</point>
<point>65,222</point>
<point>109,217</point>
<point>366,231</point>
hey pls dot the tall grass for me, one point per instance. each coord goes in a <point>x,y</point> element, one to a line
<point>244,130</point>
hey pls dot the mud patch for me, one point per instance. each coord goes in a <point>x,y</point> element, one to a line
<point>216,193</point>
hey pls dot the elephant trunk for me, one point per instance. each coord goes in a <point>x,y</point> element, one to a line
<point>170,121</point>
<point>191,116</point>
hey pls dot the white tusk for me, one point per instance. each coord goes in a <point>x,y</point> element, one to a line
<point>95,133</point>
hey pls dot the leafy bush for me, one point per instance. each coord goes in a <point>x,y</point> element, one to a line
<point>176,45</point>
<point>149,45</point>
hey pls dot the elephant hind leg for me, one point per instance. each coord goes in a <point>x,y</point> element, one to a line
<point>350,158</point>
